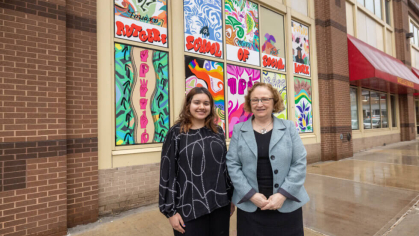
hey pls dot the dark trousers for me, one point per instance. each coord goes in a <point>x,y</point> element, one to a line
<point>217,223</point>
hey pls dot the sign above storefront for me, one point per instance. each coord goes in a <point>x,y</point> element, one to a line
<point>141,21</point>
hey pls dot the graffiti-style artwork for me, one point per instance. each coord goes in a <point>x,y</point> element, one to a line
<point>210,75</point>
<point>239,80</point>
<point>203,27</point>
<point>303,105</point>
<point>272,39</point>
<point>242,31</point>
<point>300,48</point>
<point>279,82</point>
<point>143,21</point>
<point>141,95</point>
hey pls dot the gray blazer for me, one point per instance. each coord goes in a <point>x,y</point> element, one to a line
<point>287,155</point>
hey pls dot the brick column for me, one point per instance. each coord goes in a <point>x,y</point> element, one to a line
<point>335,116</point>
<point>402,8</point>
<point>33,198</point>
<point>82,155</point>
<point>407,117</point>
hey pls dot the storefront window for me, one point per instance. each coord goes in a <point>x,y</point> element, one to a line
<point>375,110</point>
<point>383,108</point>
<point>393,110</point>
<point>366,109</point>
<point>354,108</point>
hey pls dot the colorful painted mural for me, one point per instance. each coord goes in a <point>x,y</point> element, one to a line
<point>141,95</point>
<point>208,74</point>
<point>242,31</point>
<point>143,21</point>
<point>300,48</point>
<point>272,39</point>
<point>203,26</point>
<point>239,80</point>
<point>303,105</point>
<point>279,82</point>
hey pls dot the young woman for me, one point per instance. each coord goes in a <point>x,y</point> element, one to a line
<point>267,164</point>
<point>195,189</point>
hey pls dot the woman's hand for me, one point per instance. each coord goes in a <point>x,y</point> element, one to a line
<point>177,223</point>
<point>232,209</point>
<point>275,202</point>
<point>259,200</point>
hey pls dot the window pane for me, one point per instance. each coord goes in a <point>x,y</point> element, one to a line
<point>411,31</point>
<point>393,111</point>
<point>383,107</point>
<point>378,8</point>
<point>366,109</point>
<point>375,110</point>
<point>415,38</point>
<point>369,4</point>
<point>354,109</point>
<point>361,2</point>
<point>387,5</point>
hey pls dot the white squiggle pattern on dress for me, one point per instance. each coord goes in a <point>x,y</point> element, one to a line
<point>193,175</point>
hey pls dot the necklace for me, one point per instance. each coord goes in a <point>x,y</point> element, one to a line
<point>263,130</point>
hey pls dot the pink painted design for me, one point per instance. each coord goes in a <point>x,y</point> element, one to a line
<point>242,86</point>
<point>143,120</point>
<point>143,87</point>
<point>144,55</point>
<point>143,69</point>
<point>143,103</point>
<point>144,137</point>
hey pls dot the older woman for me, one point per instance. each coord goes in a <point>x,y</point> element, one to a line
<point>266,161</point>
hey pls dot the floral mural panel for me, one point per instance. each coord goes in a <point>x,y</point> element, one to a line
<point>239,80</point>
<point>279,82</point>
<point>303,105</point>
<point>242,31</point>
<point>210,75</point>
<point>203,27</point>
<point>141,95</point>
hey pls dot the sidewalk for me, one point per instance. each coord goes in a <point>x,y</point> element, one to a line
<point>376,192</point>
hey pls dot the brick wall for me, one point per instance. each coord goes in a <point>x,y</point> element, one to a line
<point>48,116</point>
<point>125,188</point>
<point>81,74</point>
<point>370,142</point>
<point>403,9</point>
<point>335,117</point>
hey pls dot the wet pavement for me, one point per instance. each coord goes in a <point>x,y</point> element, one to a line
<point>376,192</point>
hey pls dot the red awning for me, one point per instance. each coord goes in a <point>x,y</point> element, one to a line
<point>372,68</point>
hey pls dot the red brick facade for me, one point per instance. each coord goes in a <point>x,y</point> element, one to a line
<point>48,116</point>
<point>335,117</point>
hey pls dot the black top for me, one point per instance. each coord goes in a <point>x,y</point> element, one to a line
<point>193,174</point>
<point>264,167</point>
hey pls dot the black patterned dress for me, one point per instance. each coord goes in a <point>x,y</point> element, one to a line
<point>193,173</point>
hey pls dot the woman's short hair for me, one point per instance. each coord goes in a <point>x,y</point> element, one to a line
<point>185,116</point>
<point>278,101</point>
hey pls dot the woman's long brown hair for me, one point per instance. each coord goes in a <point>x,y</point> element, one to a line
<point>185,116</point>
